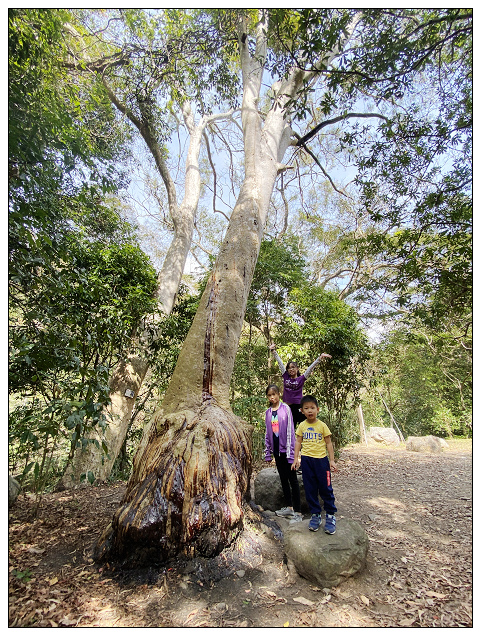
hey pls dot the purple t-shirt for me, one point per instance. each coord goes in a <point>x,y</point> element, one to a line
<point>292,388</point>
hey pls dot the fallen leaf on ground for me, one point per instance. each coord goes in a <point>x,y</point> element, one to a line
<point>36,550</point>
<point>435,594</point>
<point>304,601</point>
<point>67,621</point>
<point>406,622</point>
<point>191,616</point>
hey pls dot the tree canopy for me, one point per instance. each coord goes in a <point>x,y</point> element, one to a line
<point>325,153</point>
<point>79,284</point>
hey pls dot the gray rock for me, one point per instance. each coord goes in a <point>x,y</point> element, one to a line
<point>382,435</point>
<point>268,490</point>
<point>442,441</point>
<point>327,560</point>
<point>426,444</point>
<point>14,489</point>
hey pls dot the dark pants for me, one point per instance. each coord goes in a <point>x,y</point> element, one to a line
<point>288,482</point>
<point>316,474</point>
<point>297,416</point>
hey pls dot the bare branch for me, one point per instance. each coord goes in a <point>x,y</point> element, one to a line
<point>214,173</point>
<point>311,154</point>
<point>301,141</point>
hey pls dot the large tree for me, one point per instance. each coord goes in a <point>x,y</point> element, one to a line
<point>148,67</point>
<point>388,51</point>
<point>192,467</point>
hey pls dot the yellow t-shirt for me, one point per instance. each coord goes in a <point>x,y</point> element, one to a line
<point>313,442</point>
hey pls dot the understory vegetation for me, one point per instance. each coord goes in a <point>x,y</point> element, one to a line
<point>366,253</point>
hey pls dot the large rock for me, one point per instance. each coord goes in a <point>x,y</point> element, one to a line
<point>14,489</point>
<point>326,560</point>
<point>426,444</point>
<point>384,435</point>
<point>268,490</point>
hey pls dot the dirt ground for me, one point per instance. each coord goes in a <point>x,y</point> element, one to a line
<point>416,509</point>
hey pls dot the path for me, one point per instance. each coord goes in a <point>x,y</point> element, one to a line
<point>415,508</point>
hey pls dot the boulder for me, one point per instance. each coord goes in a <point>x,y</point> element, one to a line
<point>14,489</point>
<point>323,559</point>
<point>268,490</point>
<point>383,435</point>
<point>442,441</point>
<point>426,444</point>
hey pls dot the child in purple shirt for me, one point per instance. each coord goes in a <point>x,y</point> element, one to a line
<point>293,383</point>
<point>280,442</point>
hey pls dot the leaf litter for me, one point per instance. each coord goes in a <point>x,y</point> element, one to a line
<point>416,510</point>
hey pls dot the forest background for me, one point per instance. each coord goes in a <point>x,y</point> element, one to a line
<point>366,249</point>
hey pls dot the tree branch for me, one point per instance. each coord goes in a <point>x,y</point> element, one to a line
<point>311,154</point>
<point>153,146</point>
<point>303,140</point>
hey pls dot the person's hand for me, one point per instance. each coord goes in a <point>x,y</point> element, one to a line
<point>324,355</point>
<point>333,466</point>
<point>272,346</point>
<point>295,464</point>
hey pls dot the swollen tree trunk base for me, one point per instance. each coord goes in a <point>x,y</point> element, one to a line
<point>186,490</point>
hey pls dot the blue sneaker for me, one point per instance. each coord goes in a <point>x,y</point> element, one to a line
<point>315,522</point>
<point>330,525</point>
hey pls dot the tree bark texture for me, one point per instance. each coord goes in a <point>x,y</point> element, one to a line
<point>186,492</point>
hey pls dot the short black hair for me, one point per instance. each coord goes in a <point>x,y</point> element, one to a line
<point>309,398</point>
<point>273,386</point>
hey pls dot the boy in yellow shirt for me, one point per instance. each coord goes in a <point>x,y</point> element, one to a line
<point>314,437</point>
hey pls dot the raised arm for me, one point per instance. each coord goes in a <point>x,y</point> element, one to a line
<point>310,369</point>
<point>272,347</point>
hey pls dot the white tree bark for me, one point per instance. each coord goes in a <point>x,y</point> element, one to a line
<point>130,372</point>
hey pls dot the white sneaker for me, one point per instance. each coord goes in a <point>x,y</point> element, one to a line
<point>296,518</point>
<point>285,512</point>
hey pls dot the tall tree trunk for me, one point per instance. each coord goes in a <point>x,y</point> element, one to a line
<point>131,371</point>
<point>193,465</point>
